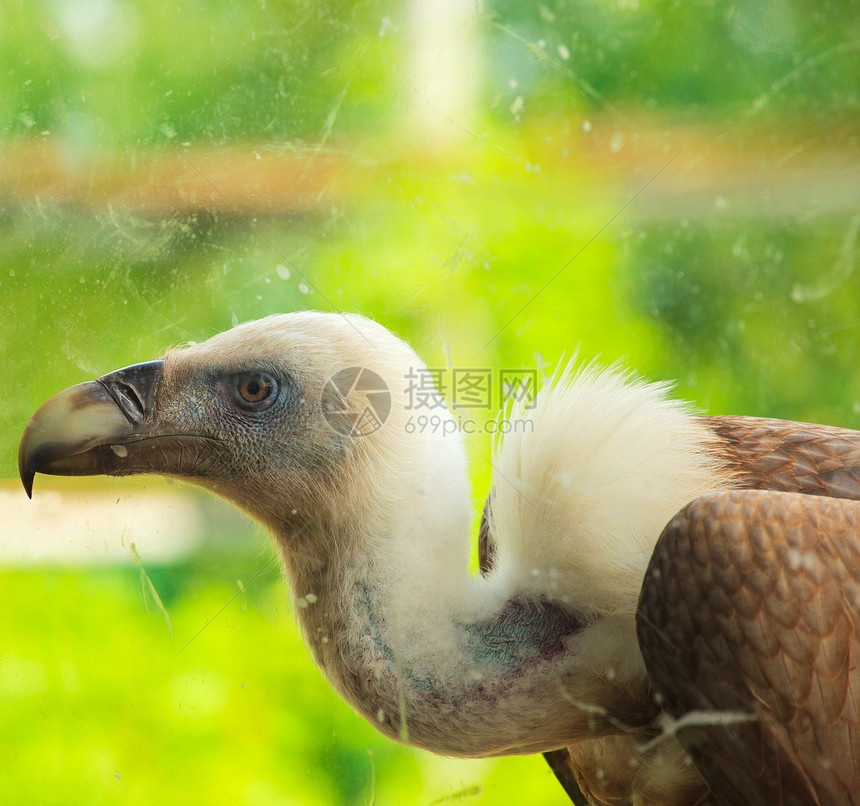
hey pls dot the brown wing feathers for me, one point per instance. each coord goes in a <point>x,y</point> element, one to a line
<point>768,454</point>
<point>749,607</point>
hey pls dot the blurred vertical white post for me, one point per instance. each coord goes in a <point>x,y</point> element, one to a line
<point>445,65</point>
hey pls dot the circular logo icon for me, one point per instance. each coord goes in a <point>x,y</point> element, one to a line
<point>371,402</point>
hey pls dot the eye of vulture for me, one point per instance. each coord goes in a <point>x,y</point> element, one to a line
<point>669,607</point>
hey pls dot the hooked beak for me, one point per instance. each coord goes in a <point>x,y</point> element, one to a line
<point>105,426</point>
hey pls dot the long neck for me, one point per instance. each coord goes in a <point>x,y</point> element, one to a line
<point>425,651</point>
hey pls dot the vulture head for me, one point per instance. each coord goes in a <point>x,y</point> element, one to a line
<point>305,421</point>
<point>258,414</point>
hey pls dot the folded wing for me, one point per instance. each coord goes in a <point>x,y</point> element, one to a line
<point>749,628</point>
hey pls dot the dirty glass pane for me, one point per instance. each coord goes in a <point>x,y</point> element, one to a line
<point>673,184</point>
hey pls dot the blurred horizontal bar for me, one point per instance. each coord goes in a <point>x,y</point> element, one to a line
<point>86,522</point>
<point>765,170</point>
<point>150,180</point>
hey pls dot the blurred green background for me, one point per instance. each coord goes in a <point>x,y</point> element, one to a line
<point>501,183</point>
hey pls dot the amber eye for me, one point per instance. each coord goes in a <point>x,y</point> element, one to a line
<point>255,390</point>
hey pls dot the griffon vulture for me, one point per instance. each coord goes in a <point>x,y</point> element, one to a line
<point>669,609</point>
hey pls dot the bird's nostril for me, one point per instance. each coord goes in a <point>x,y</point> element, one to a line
<point>133,390</point>
<point>129,401</point>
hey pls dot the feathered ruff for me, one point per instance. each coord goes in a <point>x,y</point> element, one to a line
<point>581,497</point>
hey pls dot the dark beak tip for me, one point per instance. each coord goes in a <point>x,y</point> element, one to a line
<point>25,468</point>
<point>27,474</point>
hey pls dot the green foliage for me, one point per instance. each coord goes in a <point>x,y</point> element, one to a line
<point>195,70</point>
<point>102,706</point>
<point>697,59</point>
<point>769,309</point>
<point>122,73</point>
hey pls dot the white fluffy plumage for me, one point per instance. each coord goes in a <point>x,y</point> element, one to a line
<point>581,498</point>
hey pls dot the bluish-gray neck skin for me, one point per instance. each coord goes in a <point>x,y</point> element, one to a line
<point>490,673</point>
<point>525,631</point>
